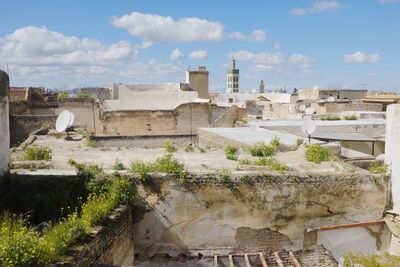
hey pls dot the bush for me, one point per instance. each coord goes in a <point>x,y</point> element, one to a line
<point>87,171</point>
<point>385,260</point>
<point>378,167</point>
<point>299,142</point>
<point>225,175</point>
<point>169,147</point>
<point>276,166</point>
<point>330,118</point>
<point>19,245</point>
<point>118,165</point>
<point>351,117</point>
<point>62,95</point>
<point>35,152</point>
<point>261,149</point>
<point>317,153</point>
<point>84,96</point>
<point>231,152</point>
<point>189,148</point>
<point>275,143</point>
<point>142,169</point>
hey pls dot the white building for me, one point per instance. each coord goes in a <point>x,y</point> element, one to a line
<point>232,78</point>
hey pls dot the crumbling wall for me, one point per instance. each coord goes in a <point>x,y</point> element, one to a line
<point>267,213</point>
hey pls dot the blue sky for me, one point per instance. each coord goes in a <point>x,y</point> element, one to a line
<point>293,43</point>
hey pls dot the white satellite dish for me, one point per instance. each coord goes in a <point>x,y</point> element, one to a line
<point>308,128</point>
<point>64,120</point>
<point>302,108</point>
<point>309,111</point>
<point>331,99</point>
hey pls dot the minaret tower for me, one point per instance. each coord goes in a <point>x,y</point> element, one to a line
<point>232,78</point>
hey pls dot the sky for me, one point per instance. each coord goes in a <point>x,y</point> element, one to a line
<point>291,43</point>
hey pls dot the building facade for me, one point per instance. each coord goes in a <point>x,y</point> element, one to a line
<point>198,80</point>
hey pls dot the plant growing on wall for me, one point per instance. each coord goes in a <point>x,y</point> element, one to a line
<point>317,153</point>
<point>169,147</point>
<point>231,152</point>
<point>36,152</point>
<point>351,117</point>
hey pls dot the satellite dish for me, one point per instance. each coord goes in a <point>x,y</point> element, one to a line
<point>64,120</point>
<point>331,99</point>
<point>302,108</point>
<point>308,127</point>
<point>309,110</point>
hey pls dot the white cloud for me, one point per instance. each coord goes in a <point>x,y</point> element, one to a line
<point>198,54</point>
<point>153,71</point>
<point>265,61</point>
<point>176,53</point>
<point>316,7</point>
<point>255,36</point>
<point>384,2</point>
<point>361,57</point>
<point>144,45</point>
<point>302,60</point>
<point>155,28</point>
<point>40,46</point>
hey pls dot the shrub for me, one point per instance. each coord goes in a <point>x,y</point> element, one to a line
<point>202,150</point>
<point>330,118</point>
<point>231,152</point>
<point>373,260</point>
<point>276,166</point>
<point>19,245</point>
<point>351,117</point>
<point>261,149</point>
<point>299,142</point>
<point>118,165</point>
<point>189,148</point>
<point>275,143</point>
<point>83,95</point>
<point>170,165</point>
<point>87,171</point>
<point>35,152</point>
<point>142,169</point>
<point>169,147</point>
<point>245,179</point>
<point>245,162</point>
<point>378,167</point>
<point>243,121</point>
<point>62,95</point>
<point>317,153</point>
<point>224,175</point>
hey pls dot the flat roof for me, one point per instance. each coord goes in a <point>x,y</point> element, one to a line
<point>299,122</point>
<point>359,137</point>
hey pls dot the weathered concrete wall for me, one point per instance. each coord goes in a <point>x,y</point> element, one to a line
<point>22,125</point>
<point>269,213</point>
<point>229,118</point>
<point>339,107</point>
<point>198,80</point>
<point>279,111</point>
<point>185,119</point>
<point>365,147</point>
<point>111,245</point>
<point>4,123</point>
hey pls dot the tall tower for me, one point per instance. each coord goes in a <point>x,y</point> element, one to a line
<point>232,78</point>
<point>262,87</point>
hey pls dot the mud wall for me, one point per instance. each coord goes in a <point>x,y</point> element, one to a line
<point>264,213</point>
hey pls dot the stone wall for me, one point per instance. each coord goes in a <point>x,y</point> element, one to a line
<point>185,119</point>
<point>4,123</point>
<point>112,244</point>
<point>268,213</point>
<point>229,118</point>
<point>149,141</point>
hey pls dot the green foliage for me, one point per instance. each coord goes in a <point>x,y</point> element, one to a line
<point>299,142</point>
<point>261,149</point>
<point>169,147</point>
<point>330,118</point>
<point>276,166</point>
<point>19,245</point>
<point>202,150</point>
<point>35,152</point>
<point>243,121</point>
<point>62,95</point>
<point>88,171</point>
<point>231,152</point>
<point>118,165</point>
<point>245,179</point>
<point>166,164</point>
<point>378,167</point>
<point>384,260</point>
<point>84,96</point>
<point>275,143</point>
<point>189,148</point>
<point>317,153</point>
<point>245,162</point>
<point>225,175</point>
<point>351,117</point>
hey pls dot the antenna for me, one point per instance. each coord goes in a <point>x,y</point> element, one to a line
<point>308,128</point>
<point>64,121</point>
<point>363,85</point>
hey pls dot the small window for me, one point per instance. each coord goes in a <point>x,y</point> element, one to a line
<point>230,100</point>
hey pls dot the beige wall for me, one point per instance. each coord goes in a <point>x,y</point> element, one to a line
<point>339,107</point>
<point>278,110</point>
<point>308,94</point>
<point>198,80</point>
<point>314,94</point>
<point>157,122</point>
